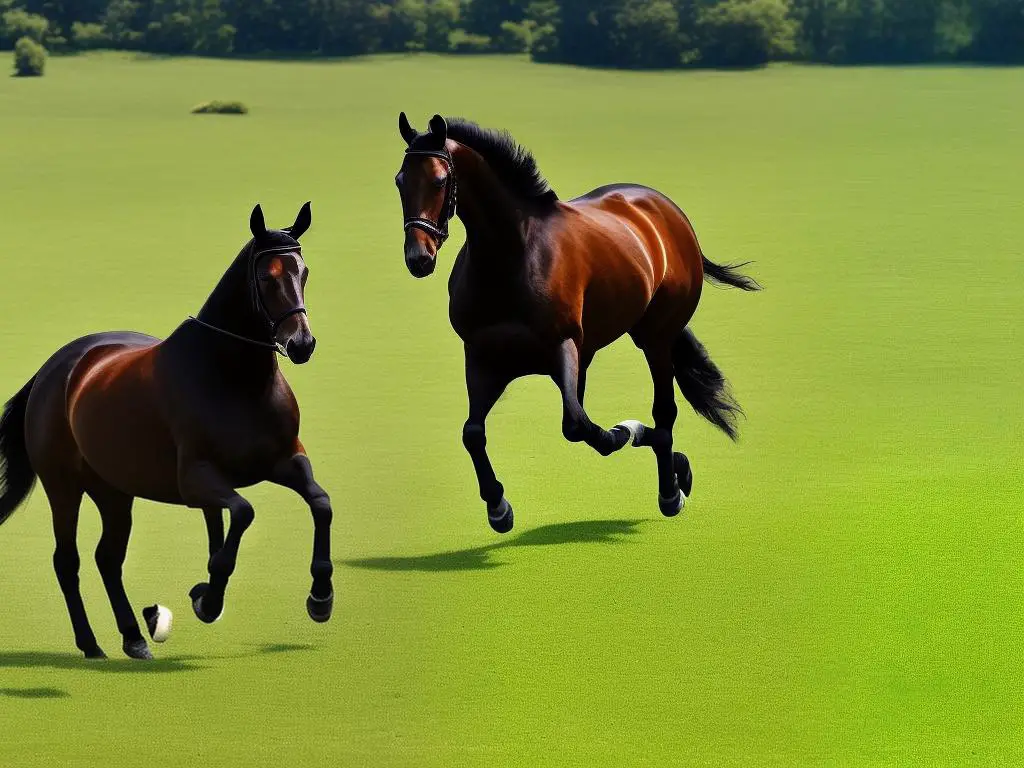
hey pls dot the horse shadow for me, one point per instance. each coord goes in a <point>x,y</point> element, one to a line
<point>158,666</point>
<point>608,532</point>
<point>35,693</point>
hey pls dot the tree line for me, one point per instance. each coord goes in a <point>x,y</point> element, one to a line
<point>608,33</point>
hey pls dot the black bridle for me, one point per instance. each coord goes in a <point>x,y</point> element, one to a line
<point>259,305</point>
<point>438,229</point>
<point>258,302</point>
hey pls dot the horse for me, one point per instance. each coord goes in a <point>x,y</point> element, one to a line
<point>185,421</point>
<point>540,286</point>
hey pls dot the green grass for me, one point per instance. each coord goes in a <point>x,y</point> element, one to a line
<point>844,586</point>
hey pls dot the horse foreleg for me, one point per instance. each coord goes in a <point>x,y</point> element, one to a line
<point>484,386</point>
<point>297,473</point>
<point>214,517</point>
<point>576,424</point>
<point>203,486</point>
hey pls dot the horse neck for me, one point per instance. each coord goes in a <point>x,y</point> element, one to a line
<point>230,308</point>
<point>494,217</point>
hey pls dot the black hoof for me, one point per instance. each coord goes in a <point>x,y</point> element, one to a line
<point>150,615</point>
<point>320,608</point>
<point>684,475</point>
<point>621,436</point>
<point>671,506</point>
<point>95,653</point>
<point>197,593</point>
<point>501,519</point>
<point>137,649</point>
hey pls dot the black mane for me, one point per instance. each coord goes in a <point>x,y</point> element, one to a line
<point>510,160</point>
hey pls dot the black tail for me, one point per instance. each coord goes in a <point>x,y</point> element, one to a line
<point>703,385</point>
<point>728,274</point>
<point>16,474</point>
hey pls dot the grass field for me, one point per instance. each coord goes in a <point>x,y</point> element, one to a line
<point>845,585</point>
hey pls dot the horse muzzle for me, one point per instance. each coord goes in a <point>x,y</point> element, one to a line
<point>299,352</point>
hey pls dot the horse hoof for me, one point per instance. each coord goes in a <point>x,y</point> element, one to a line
<point>634,428</point>
<point>137,649</point>
<point>320,608</point>
<point>684,474</point>
<point>671,506</point>
<point>158,622</point>
<point>95,653</point>
<point>197,593</point>
<point>501,518</point>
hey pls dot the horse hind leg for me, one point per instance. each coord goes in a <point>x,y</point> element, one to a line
<point>116,513</point>
<point>675,480</point>
<point>65,501</point>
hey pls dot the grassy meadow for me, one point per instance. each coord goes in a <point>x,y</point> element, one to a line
<point>844,586</point>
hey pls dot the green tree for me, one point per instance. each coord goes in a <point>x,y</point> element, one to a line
<point>645,34</point>
<point>745,33</point>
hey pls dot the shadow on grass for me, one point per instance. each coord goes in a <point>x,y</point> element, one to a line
<point>34,693</point>
<point>481,558</point>
<point>75,662</point>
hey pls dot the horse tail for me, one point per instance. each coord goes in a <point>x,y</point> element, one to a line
<point>16,474</point>
<point>703,385</point>
<point>728,274</point>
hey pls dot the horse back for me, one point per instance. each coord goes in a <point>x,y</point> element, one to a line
<point>114,412</point>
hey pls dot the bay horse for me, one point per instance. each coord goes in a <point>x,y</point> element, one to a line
<point>187,421</point>
<point>541,285</point>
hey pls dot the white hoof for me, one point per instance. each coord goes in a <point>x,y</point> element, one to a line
<point>635,429</point>
<point>159,621</point>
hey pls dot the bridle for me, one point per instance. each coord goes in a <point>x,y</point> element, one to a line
<point>259,305</point>
<point>438,229</point>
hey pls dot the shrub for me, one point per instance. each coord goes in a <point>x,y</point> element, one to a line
<point>29,58</point>
<point>745,33</point>
<point>461,41</point>
<point>87,37</point>
<point>220,108</point>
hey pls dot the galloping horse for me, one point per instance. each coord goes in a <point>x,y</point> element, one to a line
<point>541,285</point>
<point>181,421</point>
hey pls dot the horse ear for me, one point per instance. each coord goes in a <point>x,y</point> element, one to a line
<point>302,222</point>
<point>407,131</point>
<point>439,127</point>
<point>257,225</point>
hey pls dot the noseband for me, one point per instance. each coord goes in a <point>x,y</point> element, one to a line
<point>438,229</point>
<point>260,306</point>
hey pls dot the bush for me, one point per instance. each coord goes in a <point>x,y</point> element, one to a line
<point>461,41</point>
<point>88,37</point>
<point>29,58</point>
<point>220,108</point>
<point>745,33</point>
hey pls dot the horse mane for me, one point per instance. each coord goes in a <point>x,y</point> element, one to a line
<point>513,163</point>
